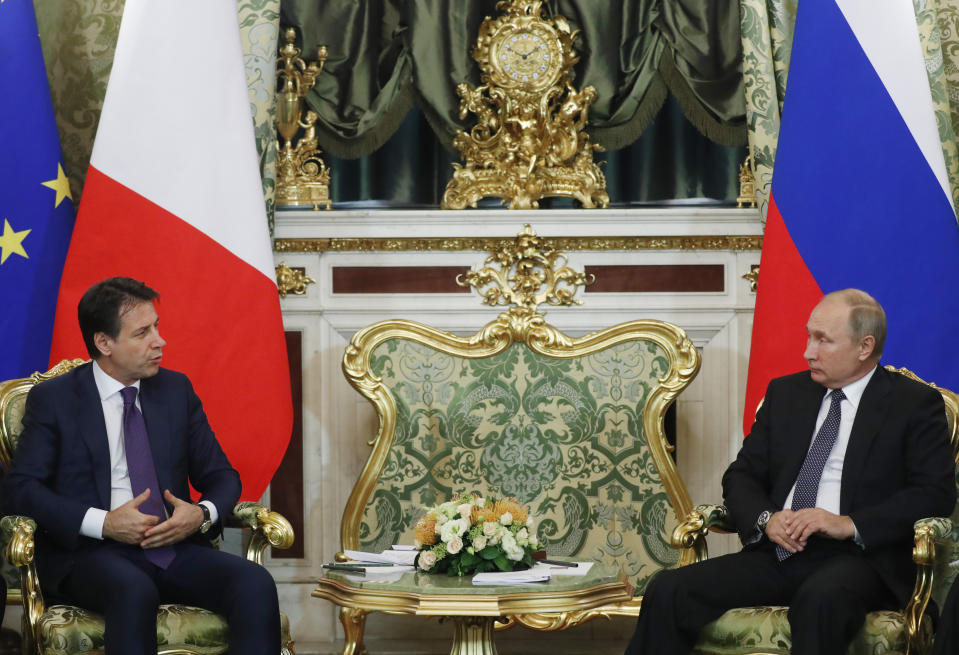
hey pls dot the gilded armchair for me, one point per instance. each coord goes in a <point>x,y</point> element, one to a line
<point>67,630</point>
<point>765,630</point>
<point>572,427</point>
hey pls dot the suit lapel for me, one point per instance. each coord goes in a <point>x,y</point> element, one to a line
<point>808,401</point>
<point>869,418</point>
<point>152,404</point>
<point>89,413</point>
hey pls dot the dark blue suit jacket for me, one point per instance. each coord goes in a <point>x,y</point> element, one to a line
<point>62,464</point>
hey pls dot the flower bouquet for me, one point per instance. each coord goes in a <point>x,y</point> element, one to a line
<point>472,534</point>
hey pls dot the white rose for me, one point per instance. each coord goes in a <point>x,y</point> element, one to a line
<point>465,510</point>
<point>529,522</point>
<point>453,528</point>
<point>427,560</point>
<point>489,529</point>
<point>441,519</point>
<point>479,543</point>
<point>509,542</point>
<point>506,519</point>
<point>454,546</point>
<point>515,554</point>
<point>534,541</point>
<point>522,535</point>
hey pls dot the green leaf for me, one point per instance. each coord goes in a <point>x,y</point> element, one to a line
<point>490,552</point>
<point>502,563</point>
<point>468,560</point>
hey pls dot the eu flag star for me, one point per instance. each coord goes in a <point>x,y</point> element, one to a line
<point>61,185</point>
<point>11,243</point>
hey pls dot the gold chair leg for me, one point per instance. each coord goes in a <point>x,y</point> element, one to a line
<point>354,622</point>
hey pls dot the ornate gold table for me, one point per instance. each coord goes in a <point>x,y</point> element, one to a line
<point>473,609</point>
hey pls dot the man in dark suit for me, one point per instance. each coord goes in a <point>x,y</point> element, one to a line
<point>102,448</point>
<point>841,461</point>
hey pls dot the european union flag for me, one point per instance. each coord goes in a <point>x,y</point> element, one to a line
<point>36,208</point>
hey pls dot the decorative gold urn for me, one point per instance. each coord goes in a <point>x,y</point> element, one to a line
<point>747,184</point>
<point>529,141</point>
<point>301,176</point>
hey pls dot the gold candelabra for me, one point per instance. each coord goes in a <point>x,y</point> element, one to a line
<point>301,176</point>
<point>529,141</point>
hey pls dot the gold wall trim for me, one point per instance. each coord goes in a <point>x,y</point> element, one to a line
<point>731,242</point>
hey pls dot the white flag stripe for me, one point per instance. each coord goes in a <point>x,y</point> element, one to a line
<point>889,35</point>
<point>175,82</point>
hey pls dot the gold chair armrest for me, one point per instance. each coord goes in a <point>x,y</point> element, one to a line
<point>929,533</point>
<point>18,533</point>
<point>691,533</point>
<point>269,528</point>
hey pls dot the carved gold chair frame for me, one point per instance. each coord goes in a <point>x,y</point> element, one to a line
<point>268,528</point>
<point>930,536</point>
<point>522,276</point>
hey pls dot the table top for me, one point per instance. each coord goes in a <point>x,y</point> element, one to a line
<point>429,594</point>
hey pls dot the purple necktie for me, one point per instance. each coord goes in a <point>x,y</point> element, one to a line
<point>142,472</point>
<point>807,483</point>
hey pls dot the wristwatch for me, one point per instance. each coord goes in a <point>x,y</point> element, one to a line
<point>763,520</point>
<point>207,522</point>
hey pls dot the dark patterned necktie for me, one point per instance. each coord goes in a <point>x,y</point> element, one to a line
<point>807,483</point>
<point>142,471</point>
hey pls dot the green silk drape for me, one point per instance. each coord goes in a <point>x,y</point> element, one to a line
<point>386,55</point>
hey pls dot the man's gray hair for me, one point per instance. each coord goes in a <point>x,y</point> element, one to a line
<point>866,317</point>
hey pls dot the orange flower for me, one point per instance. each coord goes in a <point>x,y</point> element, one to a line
<point>424,532</point>
<point>487,513</point>
<point>512,506</point>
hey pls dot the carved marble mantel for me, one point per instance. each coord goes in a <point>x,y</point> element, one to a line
<point>336,247</point>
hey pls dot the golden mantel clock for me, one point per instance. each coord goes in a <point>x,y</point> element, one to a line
<point>527,58</point>
<point>529,141</point>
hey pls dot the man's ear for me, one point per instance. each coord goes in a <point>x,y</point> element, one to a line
<point>103,343</point>
<point>866,347</point>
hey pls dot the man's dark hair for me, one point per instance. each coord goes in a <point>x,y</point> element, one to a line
<point>104,303</point>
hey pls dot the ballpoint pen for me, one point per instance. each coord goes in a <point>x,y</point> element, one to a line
<point>559,563</point>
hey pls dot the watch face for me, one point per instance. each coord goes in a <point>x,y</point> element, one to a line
<point>528,57</point>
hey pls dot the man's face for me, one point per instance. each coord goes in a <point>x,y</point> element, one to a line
<point>137,351</point>
<point>834,358</point>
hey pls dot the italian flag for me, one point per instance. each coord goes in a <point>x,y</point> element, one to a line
<point>173,197</point>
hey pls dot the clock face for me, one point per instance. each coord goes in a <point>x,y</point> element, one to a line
<point>528,57</point>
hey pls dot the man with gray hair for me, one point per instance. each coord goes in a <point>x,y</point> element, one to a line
<point>841,461</point>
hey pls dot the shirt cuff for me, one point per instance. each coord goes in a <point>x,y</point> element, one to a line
<point>92,525</point>
<point>857,538</point>
<point>213,513</point>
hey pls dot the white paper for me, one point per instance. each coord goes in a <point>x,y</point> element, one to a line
<point>403,547</point>
<point>552,569</point>
<point>511,577</point>
<point>402,557</point>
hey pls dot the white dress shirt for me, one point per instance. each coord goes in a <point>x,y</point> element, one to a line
<point>121,491</point>
<point>831,481</point>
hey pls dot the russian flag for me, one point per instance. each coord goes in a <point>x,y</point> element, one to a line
<point>173,197</point>
<point>860,196</point>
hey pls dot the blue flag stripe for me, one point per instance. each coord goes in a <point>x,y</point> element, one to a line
<point>859,199</point>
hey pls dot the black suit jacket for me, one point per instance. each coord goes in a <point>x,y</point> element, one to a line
<point>62,464</point>
<point>898,466</point>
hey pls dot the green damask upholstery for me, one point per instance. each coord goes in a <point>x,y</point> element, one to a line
<point>563,436</point>
<point>750,630</point>
<point>67,630</point>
